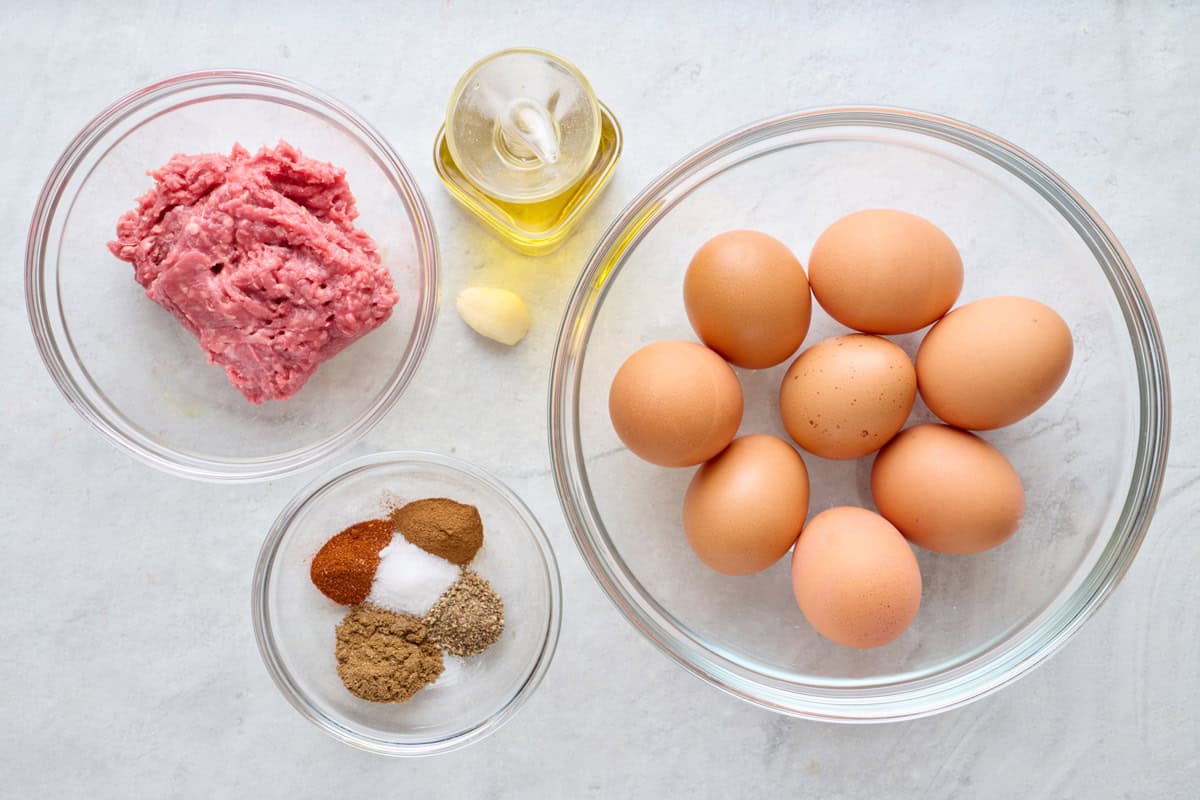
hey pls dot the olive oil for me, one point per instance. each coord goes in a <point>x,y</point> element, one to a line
<point>526,147</point>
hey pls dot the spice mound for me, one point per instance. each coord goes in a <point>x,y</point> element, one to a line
<point>344,568</point>
<point>416,609</point>
<point>469,617</point>
<point>258,256</point>
<point>409,580</point>
<point>443,527</point>
<point>385,657</point>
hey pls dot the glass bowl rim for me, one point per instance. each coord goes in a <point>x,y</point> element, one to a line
<point>979,674</point>
<point>263,631</point>
<point>68,373</point>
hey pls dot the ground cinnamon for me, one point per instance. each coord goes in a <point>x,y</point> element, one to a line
<point>443,527</point>
<point>344,567</point>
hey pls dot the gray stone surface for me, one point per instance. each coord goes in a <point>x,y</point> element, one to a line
<point>129,666</point>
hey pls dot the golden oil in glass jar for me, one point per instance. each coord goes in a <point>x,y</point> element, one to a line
<point>527,147</point>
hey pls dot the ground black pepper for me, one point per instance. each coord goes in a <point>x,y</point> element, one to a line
<point>468,618</point>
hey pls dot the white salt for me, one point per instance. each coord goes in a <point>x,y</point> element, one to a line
<point>409,580</point>
<point>454,669</point>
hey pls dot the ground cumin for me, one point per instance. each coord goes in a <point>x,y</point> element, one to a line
<point>443,527</point>
<point>468,618</point>
<point>385,657</point>
<point>344,567</point>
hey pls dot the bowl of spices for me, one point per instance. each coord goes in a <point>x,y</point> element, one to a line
<point>407,603</point>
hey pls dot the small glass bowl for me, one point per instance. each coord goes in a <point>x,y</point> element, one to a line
<point>294,623</point>
<point>1091,459</point>
<point>129,368</point>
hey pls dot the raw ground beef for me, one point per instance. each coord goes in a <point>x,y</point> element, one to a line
<point>258,257</point>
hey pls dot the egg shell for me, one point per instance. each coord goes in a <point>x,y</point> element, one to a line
<point>947,490</point>
<point>855,577</point>
<point>745,508</point>
<point>993,362</point>
<point>885,271</point>
<point>845,397</point>
<point>675,403</point>
<point>747,298</point>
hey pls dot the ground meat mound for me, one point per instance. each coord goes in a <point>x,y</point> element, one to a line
<point>258,256</point>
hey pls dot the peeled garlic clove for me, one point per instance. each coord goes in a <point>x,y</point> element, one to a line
<point>495,313</point>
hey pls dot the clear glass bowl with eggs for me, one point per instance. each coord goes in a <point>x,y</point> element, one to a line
<point>294,623</point>
<point>1091,459</point>
<point>131,370</point>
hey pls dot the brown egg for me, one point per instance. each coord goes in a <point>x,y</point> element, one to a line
<point>885,271</point>
<point>993,362</point>
<point>846,397</point>
<point>745,508</point>
<point>855,577</point>
<point>747,298</point>
<point>947,490</point>
<point>675,403</point>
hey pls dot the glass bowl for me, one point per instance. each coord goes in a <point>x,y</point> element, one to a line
<point>129,368</point>
<point>294,623</point>
<point>1091,459</point>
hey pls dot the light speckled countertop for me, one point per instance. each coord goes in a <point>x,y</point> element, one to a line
<point>129,666</point>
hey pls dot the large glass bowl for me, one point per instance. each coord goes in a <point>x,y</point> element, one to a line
<point>294,623</point>
<point>1092,459</point>
<point>129,368</point>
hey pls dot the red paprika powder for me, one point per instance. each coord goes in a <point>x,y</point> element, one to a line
<point>344,567</point>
